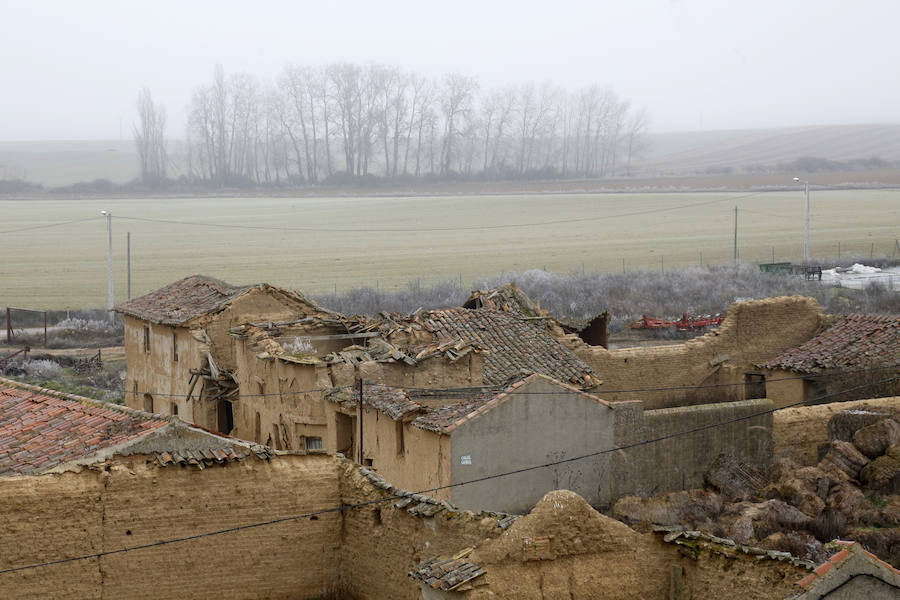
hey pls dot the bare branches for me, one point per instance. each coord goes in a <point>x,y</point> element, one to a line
<point>343,122</point>
<point>149,137</point>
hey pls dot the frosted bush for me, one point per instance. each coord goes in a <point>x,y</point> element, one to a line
<point>46,369</point>
<point>300,345</point>
<point>77,324</point>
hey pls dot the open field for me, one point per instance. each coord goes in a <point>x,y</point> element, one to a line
<point>317,244</point>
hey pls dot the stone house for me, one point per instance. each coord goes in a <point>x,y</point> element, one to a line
<point>179,354</point>
<point>855,350</point>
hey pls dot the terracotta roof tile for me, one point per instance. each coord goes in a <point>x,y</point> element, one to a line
<point>852,342</point>
<point>182,301</point>
<point>445,574</point>
<point>40,429</point>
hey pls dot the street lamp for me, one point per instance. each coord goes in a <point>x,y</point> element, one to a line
<point>806,238</point>
<point>109,263</point>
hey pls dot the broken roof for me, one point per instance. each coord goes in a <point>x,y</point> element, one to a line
<point>440,411</point>
<point>506,298</point>
<point>514,344</point>
<point>853,341</point>
<point>195,296</point>
<point>445,574</point>
<point>41,429</point>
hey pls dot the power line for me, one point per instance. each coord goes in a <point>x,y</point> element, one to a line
<point>61,223</point>
<point>438,488</point>
<point>438,229</point>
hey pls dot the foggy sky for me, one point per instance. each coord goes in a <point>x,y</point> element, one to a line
<point>72,70</point>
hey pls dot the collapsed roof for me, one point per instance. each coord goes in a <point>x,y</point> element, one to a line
<point>439,410</point>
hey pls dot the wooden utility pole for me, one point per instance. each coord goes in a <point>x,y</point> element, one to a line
<point>735,236</point>
<point>360,383</point>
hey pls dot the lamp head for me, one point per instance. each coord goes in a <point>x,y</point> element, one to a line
<point>104,213</point>
<point>795,179</point>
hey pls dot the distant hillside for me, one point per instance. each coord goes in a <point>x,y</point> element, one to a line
<point>709,151</point>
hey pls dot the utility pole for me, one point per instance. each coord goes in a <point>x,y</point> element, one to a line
<point>360,421</point>
<point>735,237</point>
<point>806,236</point>
<point>128,248</point>
<point>109,263</point>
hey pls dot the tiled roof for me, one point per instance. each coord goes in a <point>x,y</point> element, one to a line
<point>445,574</point>
<point>41,429</point>
<point>182,301</point>
<point>440,411</point>
<point>514,345</point>
<point>853,341</point>
<point>837,570</point>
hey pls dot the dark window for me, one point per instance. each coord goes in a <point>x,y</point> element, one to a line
<point>174,346</point>
<point>401,439</point>
<point>754,386</point>
<point>147,339</point>
<point>257,430</point>
<point>314,443</point>
<point>174,408</point>
<point>225,416</point>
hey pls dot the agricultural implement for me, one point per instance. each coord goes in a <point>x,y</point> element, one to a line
<point>685,323</point>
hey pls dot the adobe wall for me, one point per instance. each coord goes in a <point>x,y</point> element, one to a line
<point>799,431</point>
<point>157,372</point>
<point>565,549</point>
<point>134,502</point>
<point>381,543</point>
<point>753,332</point>
<point>257,306</point>
<point>785,388</point>
<point>678,463</point>
<point>424,463</point>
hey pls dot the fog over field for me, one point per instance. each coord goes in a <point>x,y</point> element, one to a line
<point>692,64</point>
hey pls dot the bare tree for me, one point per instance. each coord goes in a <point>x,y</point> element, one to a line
<point>456,101</point>
<point>635,139</point>
<point>150,138</point>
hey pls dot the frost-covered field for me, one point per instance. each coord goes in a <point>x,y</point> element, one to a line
<point>319,244</point>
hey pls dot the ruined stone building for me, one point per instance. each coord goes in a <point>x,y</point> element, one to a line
<point>179,354</point>
<point>287,367</point>
<point>855,350</point>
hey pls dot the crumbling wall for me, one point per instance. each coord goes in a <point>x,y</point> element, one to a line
<point>380,542</point>
<point>157,372</point>
<point>678,463</point>
<point>134,502</point>
<point>565,549</point>
<point>798,432</point>
<point>752,333</point>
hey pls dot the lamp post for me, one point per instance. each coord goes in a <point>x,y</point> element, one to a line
<point>806,238</point>
<point>109,263</point>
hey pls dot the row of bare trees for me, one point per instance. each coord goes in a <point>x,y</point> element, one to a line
<point>344,121</point>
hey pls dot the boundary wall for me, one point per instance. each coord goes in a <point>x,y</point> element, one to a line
<point>753,333</point>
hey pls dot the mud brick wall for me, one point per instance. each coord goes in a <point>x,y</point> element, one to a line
<point>133,503</point>
<point>381,543</point>
<point>752,333</point>
<point>679,462</point>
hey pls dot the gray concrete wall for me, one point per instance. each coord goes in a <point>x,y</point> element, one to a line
<point>537,423</point>
<point>679,462</point>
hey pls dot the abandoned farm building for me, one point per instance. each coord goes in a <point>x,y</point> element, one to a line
<point>855,350</point>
